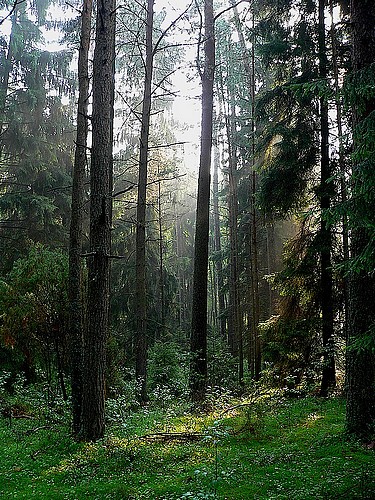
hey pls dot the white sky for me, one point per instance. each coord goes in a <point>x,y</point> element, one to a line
<point>186,106</point>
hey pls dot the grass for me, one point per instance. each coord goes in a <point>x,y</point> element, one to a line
<point>270,448</point>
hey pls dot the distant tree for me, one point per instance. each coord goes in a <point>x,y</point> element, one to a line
<point>35,137</point>
<point>93,376</point>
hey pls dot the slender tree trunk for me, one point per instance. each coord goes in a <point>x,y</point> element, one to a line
<point>75,237</point>
<point>254,228</point>
<point>140,254</point>
<point>254,346</point>
<point>236,344</point>
<point>161,262</point>
<point>93,424</point>
<point>271,266</point>
<point>360,408</point>
<point>233,306</point>
<point>255,280</point>
<point>341,162</point>
<point>198,366</point>
<point>326,283</point>
<point>217,246</point>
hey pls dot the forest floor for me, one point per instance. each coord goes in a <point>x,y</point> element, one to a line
<point>265,447</point>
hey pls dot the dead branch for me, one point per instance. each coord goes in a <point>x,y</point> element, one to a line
<point>16,3</point>
<point>173,436</point>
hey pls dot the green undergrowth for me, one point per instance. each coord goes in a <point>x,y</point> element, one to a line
<point>264,447</point>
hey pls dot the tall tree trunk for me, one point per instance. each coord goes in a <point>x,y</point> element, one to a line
<point>93,424</point>
<point>254,346</point>
<point>75,237</point>
<point>140,252</point>
<point>328,375</point>
<point>254,227</point>
<point>235,316</point>
<point>341,162</point>
<point>255,278</point>
<point>161,261</point>
<point>217,246</point>
<point>360,409</point>
<point>198,347</point>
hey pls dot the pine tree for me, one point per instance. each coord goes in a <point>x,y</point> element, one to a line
<point>360,410</point>
<point>198,347</point>
<point>96,333</point>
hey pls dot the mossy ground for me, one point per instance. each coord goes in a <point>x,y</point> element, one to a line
<point>267,448</point>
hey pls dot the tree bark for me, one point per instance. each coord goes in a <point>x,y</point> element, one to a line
<point>76,222</point>
<point>198,347</point>
<point>140,253</point>
<point>360,409</point>
<point>254,227</point>
<point>217,246</point>
<point>326,283</point>
<point>342,167</point>
<point>93,424</point>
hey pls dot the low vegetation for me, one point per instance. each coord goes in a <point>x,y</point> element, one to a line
<point>263,446</point>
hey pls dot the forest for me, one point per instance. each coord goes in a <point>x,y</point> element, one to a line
<point>187,249</point>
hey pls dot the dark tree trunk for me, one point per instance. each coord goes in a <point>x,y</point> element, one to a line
<point>255,278</point>
<point>93,386</point>
<point>235,316</point>
<point>342,166</point>
<point>198,365</point>
<point>360,409</point>
<point>140,253</point>
<point>217,246</point>
<point>75,238</point>
<point>328,374</point>
<point>161,262</point>
<point>254,228</point>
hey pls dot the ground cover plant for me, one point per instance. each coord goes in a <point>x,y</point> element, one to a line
<point>264,446</point>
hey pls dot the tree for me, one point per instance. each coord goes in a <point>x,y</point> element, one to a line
<point>360,409</point>
<point>33,309</point>
<point>76,221</point>
<point>326,194</point>
<point>198,346</point>
<point>93,385</point>
<point>301,132</point>
<point>140,295</point>
<point>35,138</point>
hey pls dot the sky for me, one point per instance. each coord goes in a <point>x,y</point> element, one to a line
<point>186,106</point>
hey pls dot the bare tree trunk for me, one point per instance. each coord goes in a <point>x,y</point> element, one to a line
<point>161,262</point>
<point>76,222</point>
<point>255,279</point>
<point>254,347</point>
<point>326,283</point>
<point>360,408</point>
<point>93,423</point>
<point>140,256</point>
<point>198,347</point>
<point>217,246</point>
<point>254,229</point>
<point>343,173</point>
